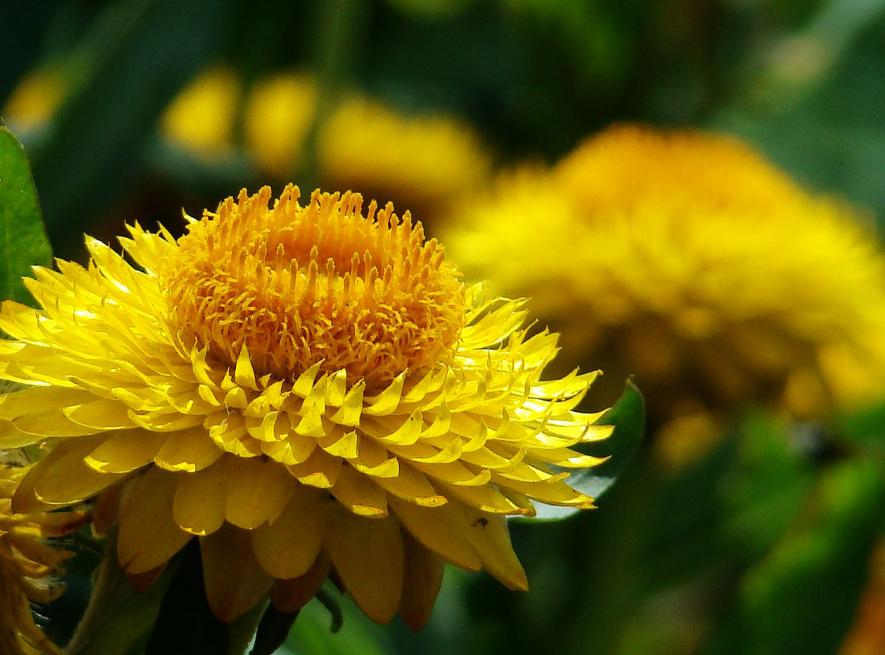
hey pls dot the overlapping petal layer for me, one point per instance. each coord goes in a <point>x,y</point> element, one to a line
<point>285,478</point>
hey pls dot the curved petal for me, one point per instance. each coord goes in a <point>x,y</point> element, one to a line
<point>234,580</point>
<point>288,547</point>
<point>148,536</point>
<point>368,557</point>
<point>422,580</point>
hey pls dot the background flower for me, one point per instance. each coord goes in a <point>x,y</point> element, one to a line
<point>689,260</point>
<point>201,119</point>
<point>28,564</point>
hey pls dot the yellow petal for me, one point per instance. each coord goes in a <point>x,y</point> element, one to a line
<point>126,450</point>
<point>455,473</point>
<point>485,498</point>
<point>59,524</point>
<point>489,535</point>
<point>375,460</point>
<point>413,486</point>
<point>37,399</point>
<point>52,423</point>
<point>319,470</point>
<point>12,437</point>
<point>265,428</point>
<point>351,409</point>
<point>336,387</point>
<point>25,499</point>
<point>359,494</point>
<point>244,374</point>
<point>344,445</point>
<point>441,529</point>
<point>257,491</point>
<point>368,557</point>
<point>421,583</point>
<point>388,400</point>
<point>190,450</point>
<point>405,434</point>
<point>169,422</point>
<point>554,492</point>
<point>288,547</point>
<point>100,414</point>
<point>106,510</point>
<point>234,580</point>
<point>294,450</point>
<point>141,582</point>
<point>148,536</point>
<point>200,499</point>
<point>69,479</point>
<point>291,595</point>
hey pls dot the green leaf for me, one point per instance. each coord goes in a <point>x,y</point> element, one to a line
<point>802,597</point>
<point>23,240</point>
<point>135,58</point>
<point>311,635</point>
<point>272,631</point>
<point>628,417</point>
<point>864,427</point>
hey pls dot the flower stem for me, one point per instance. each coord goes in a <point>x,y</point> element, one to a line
<point>117,617</point>
<point>333,58</point>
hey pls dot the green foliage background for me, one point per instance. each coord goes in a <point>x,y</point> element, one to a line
<point>763,546</point>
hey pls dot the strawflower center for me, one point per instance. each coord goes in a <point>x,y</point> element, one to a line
<point>297,285</point>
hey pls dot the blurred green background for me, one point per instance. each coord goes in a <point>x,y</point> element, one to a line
<point>763,546</point>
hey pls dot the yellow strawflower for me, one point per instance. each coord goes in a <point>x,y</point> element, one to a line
<point>421,161</point>
<point>27,564</point>
<point>306,389</point>
<point>201,118</point>
<point>687,259</point>
<point>278,115</point>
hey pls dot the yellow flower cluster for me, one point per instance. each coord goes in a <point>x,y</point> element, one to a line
<point>310,390</point>
<point>27,564</point>
<point>420,161</point>
<point>687,259</point>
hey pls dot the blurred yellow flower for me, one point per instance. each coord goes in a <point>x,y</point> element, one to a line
<point>304,388</point>
<point>34,101</point>
<point>201,118</point>
<point>421,161</point>
<point>687,259</point>
<point>27,564</point>
<point>278,116</point>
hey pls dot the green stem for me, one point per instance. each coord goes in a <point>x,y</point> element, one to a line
<point>111,590</point>
<point>339,21</point>
<point>241,631</point>
<point>330,601</point>
<point>117,617</point>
